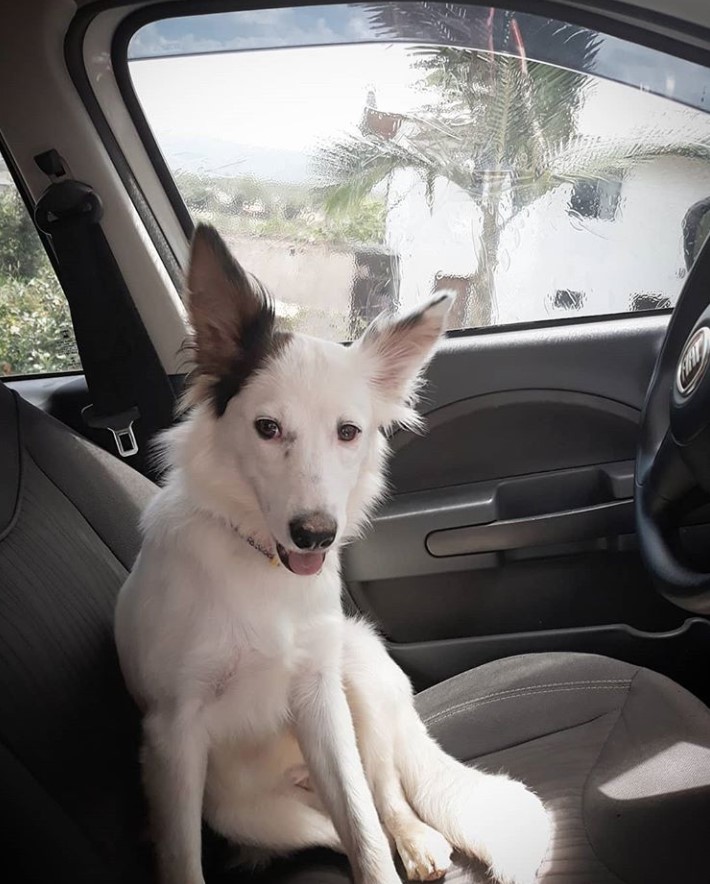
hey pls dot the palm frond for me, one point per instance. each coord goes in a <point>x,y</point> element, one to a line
<point>494,126</point>
<point>350,169</point>
<point>585,156</point>
<point>480,27</point>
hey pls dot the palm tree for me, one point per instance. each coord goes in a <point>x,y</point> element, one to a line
<point>500,127</point>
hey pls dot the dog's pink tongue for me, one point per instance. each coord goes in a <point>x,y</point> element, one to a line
<point>307,563</point>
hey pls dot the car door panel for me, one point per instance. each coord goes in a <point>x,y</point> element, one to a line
<point>509,526</point>
<point>510,523</point>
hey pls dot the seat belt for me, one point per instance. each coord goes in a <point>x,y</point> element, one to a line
<point>131,396</point>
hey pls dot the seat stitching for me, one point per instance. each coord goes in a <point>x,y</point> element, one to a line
<point>553,684</point>
<point>21,464</point>
<point>473,759</point>
<point>550,684</point>
<point>79,512</point>
<point>522,692</point>
<point>472,704</point>
<point>603,746</point>
<point>514,693</point>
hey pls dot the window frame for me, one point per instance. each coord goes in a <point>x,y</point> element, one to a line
<point>635,24</point>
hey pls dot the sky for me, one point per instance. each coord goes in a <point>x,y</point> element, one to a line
<point>251,29</point>
<point>288,98</point>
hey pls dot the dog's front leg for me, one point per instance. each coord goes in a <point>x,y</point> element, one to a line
<point>174,768</point>
<point>326,735</point>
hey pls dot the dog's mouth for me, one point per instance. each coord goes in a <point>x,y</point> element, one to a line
<point>305,564</point>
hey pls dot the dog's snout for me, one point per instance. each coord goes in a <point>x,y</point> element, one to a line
<point>313,531</point>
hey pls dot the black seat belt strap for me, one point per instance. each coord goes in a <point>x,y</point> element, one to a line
<point>126,381</point>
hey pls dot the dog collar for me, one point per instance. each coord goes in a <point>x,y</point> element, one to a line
<point>254,544</point>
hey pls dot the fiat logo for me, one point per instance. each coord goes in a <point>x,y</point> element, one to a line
<point>693,362</point>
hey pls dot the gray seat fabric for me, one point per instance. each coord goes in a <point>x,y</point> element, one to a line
<point>621,755</point>
<point>71,806</point>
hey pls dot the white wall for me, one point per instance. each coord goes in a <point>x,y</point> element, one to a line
<point>639,252</point>
<point>442,240</point>
<point>546,248</point>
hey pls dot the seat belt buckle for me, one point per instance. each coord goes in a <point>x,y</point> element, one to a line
<point>119,425</point>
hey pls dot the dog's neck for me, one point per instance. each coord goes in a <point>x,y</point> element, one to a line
<point>266,549</point>
<point>228,503</point>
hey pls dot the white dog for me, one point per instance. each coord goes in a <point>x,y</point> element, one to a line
<point>266,710</point>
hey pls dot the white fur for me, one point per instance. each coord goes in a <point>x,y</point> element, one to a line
<point>267,711</point>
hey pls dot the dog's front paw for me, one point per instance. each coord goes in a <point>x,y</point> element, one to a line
<point>515,832</point>
<point>425,854</point>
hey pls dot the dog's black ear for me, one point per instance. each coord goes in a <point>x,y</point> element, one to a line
<point>231,315</point>
<point>397,349</point>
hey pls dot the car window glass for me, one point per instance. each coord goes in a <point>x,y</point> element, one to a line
<point>368,156</point>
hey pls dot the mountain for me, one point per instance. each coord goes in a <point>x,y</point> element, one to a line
<point>218,157</point>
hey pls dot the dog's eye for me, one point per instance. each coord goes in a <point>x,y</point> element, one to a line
<point>267,428</point>
<point>348,432</point>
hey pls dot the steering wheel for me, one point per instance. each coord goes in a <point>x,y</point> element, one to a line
<point>673,456</point>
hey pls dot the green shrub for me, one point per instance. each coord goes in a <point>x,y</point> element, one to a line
<point>36,333</point>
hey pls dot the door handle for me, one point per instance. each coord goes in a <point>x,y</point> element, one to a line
<point>584,523</point>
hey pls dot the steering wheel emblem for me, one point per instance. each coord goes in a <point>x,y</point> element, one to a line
<point>694,361</point>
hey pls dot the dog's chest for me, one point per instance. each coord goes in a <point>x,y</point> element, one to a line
<point>250,693</point>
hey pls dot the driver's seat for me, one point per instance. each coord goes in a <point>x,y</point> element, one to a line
<point>620,754</point>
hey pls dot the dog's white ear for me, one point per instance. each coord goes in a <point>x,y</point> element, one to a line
<point>398,349</point>
<point>232,319</point>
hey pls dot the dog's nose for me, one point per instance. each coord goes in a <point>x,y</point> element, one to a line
<point>313,531</point>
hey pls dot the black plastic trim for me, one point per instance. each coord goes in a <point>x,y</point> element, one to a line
<point>41,375</point>
<point>431,662</point>
<point>547,323</point>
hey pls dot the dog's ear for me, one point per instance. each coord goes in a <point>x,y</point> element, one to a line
<point>398,349</point>
<point>231,316</point>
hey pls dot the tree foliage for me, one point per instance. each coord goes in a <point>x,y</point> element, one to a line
<point>36,333</point>
<point>277,210</point>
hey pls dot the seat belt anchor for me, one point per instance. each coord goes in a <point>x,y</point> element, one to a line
<point>119,425</point>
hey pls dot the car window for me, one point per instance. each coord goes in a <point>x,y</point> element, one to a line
<point>36,334</point>
<point>366,156</point>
